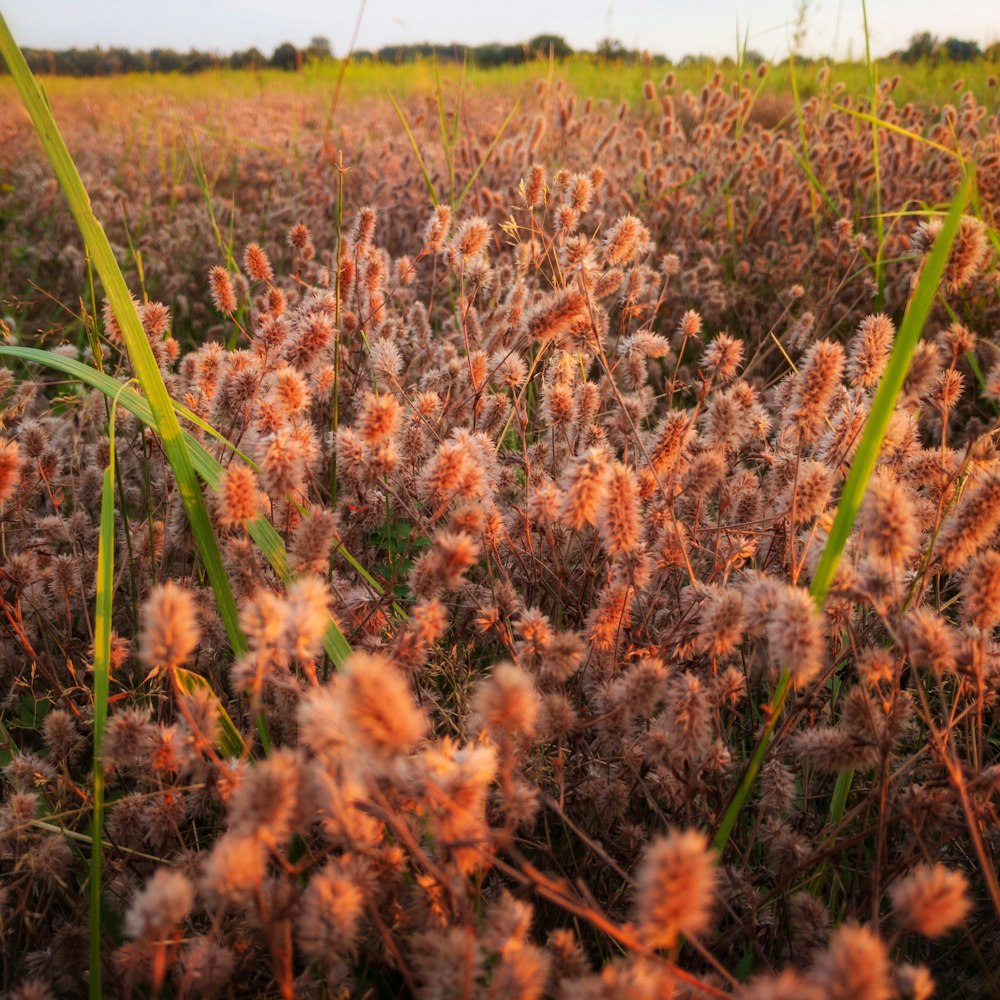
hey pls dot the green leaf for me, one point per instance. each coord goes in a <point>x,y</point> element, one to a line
<point>104,606</point>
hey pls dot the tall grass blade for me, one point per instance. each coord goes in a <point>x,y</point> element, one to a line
<point>164,420</point>
<point>205,464</point>
<point>856,483</point>
<point>489,152</point>
<point>898,129</point>
<point>231,743</point>
<point>416,150</point>
<point>104,605</point>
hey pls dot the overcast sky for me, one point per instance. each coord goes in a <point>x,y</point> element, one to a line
<point>672,27</point>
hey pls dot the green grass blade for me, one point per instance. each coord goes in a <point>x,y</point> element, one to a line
<point>7,746</point>
<point>486,156</point>
<point>104,606</point>
<point>416,150</point>
<point>139,351</point>
<point>231,743</point>
<point>898,129</point>
<point>205,464</point>
<point>856,483</point>
<point>888,391</point>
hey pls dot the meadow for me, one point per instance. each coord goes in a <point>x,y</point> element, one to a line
<point>527,533</point>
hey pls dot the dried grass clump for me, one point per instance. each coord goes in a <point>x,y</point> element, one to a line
<point>561,476</point>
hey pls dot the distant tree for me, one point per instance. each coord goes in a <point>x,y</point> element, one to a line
<point>251,59</point>
<point>922,46</point>
<point>286,56</point>
<point>319,48</point>
<point>495,54</point>
<point>612,49</point>
<point>542,45</point>
<point>198,62</point>
<point>165,61</point>
<point>957,50</point>
<point>693,60</point>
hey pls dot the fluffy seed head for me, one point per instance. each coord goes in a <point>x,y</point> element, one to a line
<point>795,632</point>
<point>624,240</point>
<point>586,488</point>
<point>256,263</point>
<point>869,351</point>
<point>237,499</point>
<point>855,967</point>
<point>378,706</point>
<point>472,237</point>
<point>888,520</point>
<point>675,887</point>
<point>972,524</point>
<point>981,591</point>
<point>164,902</point>
<point>169,631</point>
<point>813,388</point>
<point>968,254</point>
<point>10,468</point>
<point>327,921</point>
<point>221,287</point>
<point>437,227</point>
<point>619,521</point>
<point>379,418</point>
<point>931,900</point>
<point>560,314</point>
<point>506,702</point>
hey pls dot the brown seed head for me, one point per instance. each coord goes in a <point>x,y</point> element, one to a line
<point>237,499</point>
<point>931,900</point>
<point>169,631</point>
<point>675,889</point>
<point>221,287</point>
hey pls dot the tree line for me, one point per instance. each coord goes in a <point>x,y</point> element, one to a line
<point>100,61</point>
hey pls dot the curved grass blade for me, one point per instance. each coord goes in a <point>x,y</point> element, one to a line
<point>231,743</point>
<point>205,464</point>
<point>164,420</point>
<point>874,120</point>
<point>489,152</point>
<point>416,149</point>
<point>857,481</point>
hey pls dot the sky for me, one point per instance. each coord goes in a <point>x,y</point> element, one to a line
<point>671,27</point>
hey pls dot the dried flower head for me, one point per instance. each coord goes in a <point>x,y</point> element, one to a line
<point>237,499</point>
<point>624,240</point>
<point>675,888</point>
<point>166,900</point>
<point>169,630</point>
<point>981,591</point>
<point>855,967</point>
<point>256,263</point>
<point>586,489</point>
<point>795,633</point>
<point>930,900</point>
<point>869,351</point>
<point>506,702</point>
<point>327,921</point>
<point>221,287</point>
<point>378,707</point>
<point>971,525</point>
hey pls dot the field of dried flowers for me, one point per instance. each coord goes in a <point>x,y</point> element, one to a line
<point>556,407</point>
